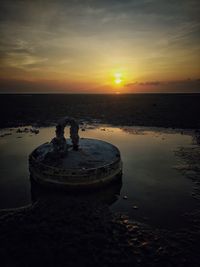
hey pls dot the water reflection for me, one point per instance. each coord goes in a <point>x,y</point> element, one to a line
<point>106,195</point>
<point>150,181</point>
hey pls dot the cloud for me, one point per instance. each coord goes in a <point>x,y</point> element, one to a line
<point>154,83</point>
<point>58,86</point>
<point>179,86</point>
<point>80,39</point>
<point>43,86</point>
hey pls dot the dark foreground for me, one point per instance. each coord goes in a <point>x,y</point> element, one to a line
<point>64,230</point>
<point>69,231</point>
<point>164,110</point>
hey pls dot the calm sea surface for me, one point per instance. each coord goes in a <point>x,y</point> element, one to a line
<point>156,192</point>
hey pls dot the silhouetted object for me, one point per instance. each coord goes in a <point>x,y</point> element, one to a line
<point>59,142</point>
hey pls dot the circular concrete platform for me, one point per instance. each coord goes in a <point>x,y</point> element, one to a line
<point>94,164</point>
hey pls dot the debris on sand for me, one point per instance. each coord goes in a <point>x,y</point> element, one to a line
<point>5,134</point>
<point>27,130</point>
<point>34,130</point>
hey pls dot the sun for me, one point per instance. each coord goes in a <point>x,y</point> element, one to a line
<point>118,78</point>
<point>118,81</point>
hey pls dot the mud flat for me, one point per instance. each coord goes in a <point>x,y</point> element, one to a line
<point>60,229</point>
<point>78,230</point>
<point>162,110</point>
<point>85,233</point>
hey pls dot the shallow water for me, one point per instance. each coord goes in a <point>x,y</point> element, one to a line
<point>160,193</point>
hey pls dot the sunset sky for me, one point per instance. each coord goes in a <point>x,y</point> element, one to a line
<point>127,46</point>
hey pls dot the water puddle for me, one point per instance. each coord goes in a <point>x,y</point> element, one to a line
<point>152,190</point>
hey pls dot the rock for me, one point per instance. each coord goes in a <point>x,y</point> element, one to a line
<point>34,130</point>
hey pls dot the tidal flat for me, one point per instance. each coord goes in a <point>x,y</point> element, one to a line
<point>161,110</point>
<point>149,218</point>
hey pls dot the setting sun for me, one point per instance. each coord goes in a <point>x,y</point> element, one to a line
<point>118,78</point>
<point>118,81</point>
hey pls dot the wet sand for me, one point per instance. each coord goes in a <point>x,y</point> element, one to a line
<point>162,110</point>
<point>60,229</point>
<point>64,230</point>
<point>85,233</point>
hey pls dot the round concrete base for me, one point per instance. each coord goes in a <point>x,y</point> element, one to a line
<point>95,164</point>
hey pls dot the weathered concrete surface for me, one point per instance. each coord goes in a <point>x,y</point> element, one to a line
<point>95,162</point>
<point>91,154</point>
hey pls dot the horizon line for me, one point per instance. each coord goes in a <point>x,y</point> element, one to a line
<point>117,94</point>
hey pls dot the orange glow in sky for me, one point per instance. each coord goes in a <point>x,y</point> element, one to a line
<point>99,47</point>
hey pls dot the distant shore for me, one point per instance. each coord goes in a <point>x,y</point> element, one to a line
<point>161,110</point>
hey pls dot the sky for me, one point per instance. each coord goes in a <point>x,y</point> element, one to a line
<point>99,46</point>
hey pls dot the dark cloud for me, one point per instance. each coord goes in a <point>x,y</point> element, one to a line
<point>154,83</point>
<point>42,86</point>
<point>179,86</point>
<point>25,86</point>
